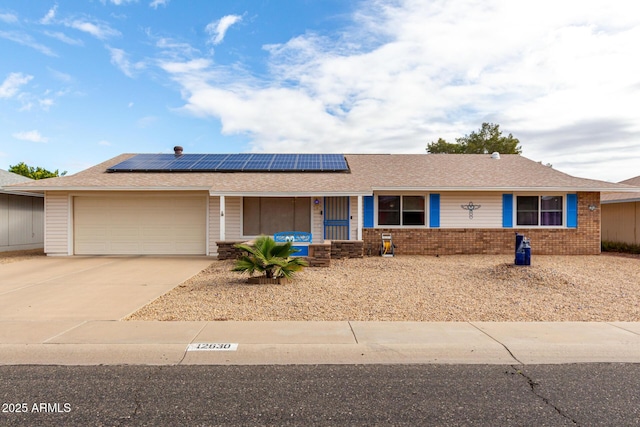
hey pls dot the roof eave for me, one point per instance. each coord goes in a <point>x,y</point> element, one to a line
<point>609,202</point>
<point>506,189</point>
<point>112,188</point>
<point>21,193</point>
<point>320,193</point>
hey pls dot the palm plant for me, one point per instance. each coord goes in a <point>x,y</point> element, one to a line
<point>268,257</point>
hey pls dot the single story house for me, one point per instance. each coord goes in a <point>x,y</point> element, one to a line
<point>21,215</point>
<point>621,215</point>
<point>201,204</point>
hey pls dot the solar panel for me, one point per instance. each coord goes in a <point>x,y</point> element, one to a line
<point>185,162</point>
<point>209,163</point>
<point>333,162</point>
<point>144,162</point>
<point>259,162</point>
<point>284,162</point>
<point>232,163</point>
<point>308,162</point>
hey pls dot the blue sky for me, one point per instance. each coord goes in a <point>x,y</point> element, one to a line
<point>83,81</point>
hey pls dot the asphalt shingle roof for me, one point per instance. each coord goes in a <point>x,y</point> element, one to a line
<point>623,197</point>
<point>368,172</point>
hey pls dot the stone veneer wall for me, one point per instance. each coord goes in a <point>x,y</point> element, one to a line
<point>584,240</point>
<point>346,249</point>
<point>320,254</point>
<point>226,250</point>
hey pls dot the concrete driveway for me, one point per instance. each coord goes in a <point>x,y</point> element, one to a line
<point>88,288</point>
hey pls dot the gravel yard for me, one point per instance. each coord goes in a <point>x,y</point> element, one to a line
<point>15,256</point>
<point>417,288</point>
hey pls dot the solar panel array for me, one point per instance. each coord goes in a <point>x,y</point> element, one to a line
<point>232,163</point>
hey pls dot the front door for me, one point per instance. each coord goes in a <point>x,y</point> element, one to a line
<point>336,218</point>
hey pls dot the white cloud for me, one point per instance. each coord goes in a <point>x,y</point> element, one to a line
<point>104,143</point>
<point>58,75</point>
<point>45,103</point>
<point>11,85</point>
<point>32,135</point>
<point>406,72</point>
<point>26,40</point>
<point>146,122</point>
<point>9,18</point>
<point>51,14</point>
<point>119,2</point>
<point>218,29</point>
<point>64,38</point>
<point>99,30</point>
<point>120,59</point>
<point>155,3</point>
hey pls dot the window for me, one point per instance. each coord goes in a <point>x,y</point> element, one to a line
<point>539,211</point>
<point>270,215</point>
<point>401,210</point>
<point>389,210</point>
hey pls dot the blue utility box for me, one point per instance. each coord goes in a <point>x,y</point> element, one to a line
<point>523,250</point>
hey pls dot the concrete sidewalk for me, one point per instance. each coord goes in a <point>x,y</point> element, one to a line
<point>69,342</point>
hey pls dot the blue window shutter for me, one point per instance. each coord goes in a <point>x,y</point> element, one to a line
<point>434,210</point>
<point>507,210</point>
<point>572,210</point>
<point>368,211</point>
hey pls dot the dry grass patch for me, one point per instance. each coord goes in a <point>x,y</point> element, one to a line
<point>417,288</point>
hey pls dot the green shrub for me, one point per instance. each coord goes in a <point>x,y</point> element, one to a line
<point>268,257</point>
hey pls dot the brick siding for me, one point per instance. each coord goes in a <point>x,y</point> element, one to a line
<point>584,240</point>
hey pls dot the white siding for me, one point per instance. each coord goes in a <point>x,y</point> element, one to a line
<point>56,223</point>
<point>214,225</point>
<point>232,217</point>
<point>488,215</point>
<point>353,220</point>
<point>317,220</point>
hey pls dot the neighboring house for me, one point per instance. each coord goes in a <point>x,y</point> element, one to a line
<point>21,215</point>
<point>196,204</point>
<point>621,215</point>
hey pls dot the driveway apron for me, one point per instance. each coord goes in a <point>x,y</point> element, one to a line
<point>88,288</point>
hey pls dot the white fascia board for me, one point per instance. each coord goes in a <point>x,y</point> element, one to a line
<point>610,202</point>
<point>508,189</point>
<point>77,188</point>
<point>289,193</point>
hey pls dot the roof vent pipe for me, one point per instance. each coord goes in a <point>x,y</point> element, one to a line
<point>495,155</point>
<point>177,150</point>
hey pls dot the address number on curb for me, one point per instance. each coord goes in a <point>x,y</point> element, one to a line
<point>208,346</point>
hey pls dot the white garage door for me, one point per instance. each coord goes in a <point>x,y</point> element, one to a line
<point>139,225</point>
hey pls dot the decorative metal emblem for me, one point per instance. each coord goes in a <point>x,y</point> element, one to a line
<point>470,207</point>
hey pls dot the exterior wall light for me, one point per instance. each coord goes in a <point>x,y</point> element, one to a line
<point>592,208</point>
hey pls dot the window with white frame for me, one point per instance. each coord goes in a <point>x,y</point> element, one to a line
<point>546,211</point>
<point>401,210</point>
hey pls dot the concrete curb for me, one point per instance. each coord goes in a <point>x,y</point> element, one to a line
<point>345,342</point>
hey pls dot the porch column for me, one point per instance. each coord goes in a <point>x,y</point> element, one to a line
<point>222,221</point>
<point>359,222</point>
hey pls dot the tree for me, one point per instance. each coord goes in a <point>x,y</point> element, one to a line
<point>34,173</point>
<point>268,257</point>
<point>488,139</point>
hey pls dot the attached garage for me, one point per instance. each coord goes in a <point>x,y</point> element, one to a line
<point>139,224</point>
